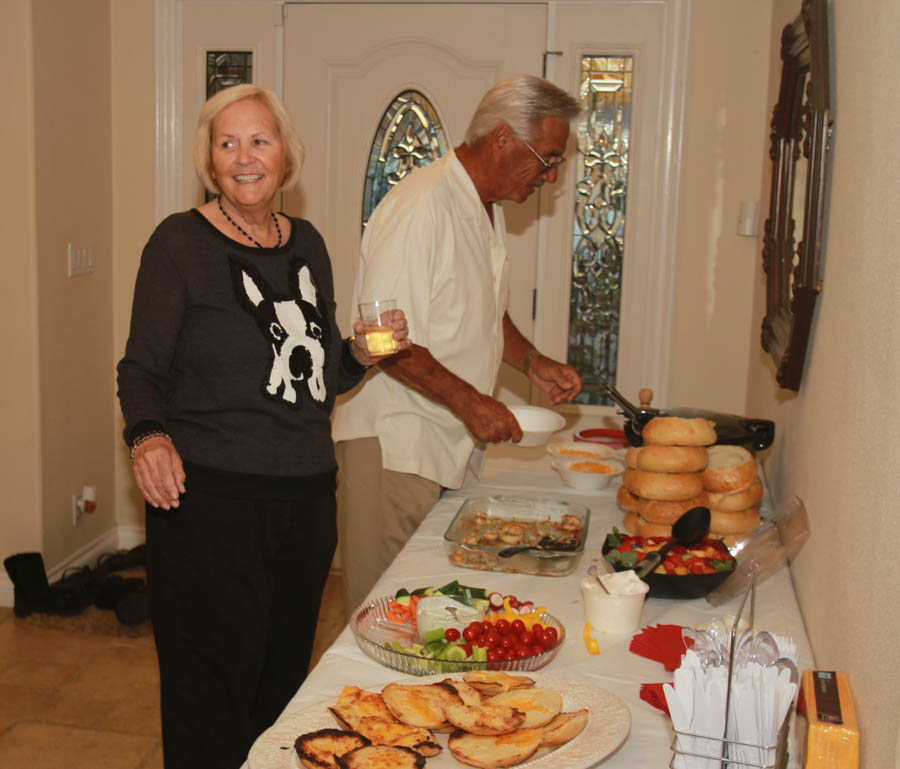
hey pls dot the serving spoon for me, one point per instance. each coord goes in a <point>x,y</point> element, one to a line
<point>687,531</point>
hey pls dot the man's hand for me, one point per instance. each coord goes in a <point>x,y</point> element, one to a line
<point>487,419</point>
<point>559,380</point>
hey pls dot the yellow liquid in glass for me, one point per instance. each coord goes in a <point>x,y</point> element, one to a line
<point>380,340</point>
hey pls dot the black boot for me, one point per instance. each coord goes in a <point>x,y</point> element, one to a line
<point>74,591</point>
<point>114,588</point>
<point>32,591</point>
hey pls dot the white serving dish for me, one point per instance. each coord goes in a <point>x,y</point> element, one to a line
<point>585,480</point>
<point>567,450</point>
<point>537,424</point>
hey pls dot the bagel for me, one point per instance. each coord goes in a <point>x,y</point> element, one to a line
<point>678,431</point>
<point>742,499</point>
<point>733,522</point>
<point>730,468</point>
<point>638,527</point>
<point>669,486</point>
<point>661,511</point>
<point>667,459</point>
<point>627,500</point>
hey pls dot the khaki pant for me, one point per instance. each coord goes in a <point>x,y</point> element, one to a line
<point>378,511</point>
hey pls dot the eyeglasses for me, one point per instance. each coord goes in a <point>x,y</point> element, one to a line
<point>554,162</point>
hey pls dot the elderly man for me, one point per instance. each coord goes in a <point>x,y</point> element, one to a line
<point>436,245</point>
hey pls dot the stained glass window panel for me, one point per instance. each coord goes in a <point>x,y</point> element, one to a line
<point>409,135</point>
<point>598,244</point>
<point>227,68</point>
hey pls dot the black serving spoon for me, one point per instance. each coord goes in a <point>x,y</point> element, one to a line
<point>687,531</point>
<point>545,543</point>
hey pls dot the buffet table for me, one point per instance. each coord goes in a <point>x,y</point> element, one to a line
<point>516,471</point>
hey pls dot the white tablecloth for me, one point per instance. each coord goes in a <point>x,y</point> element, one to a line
<point>515,471</point>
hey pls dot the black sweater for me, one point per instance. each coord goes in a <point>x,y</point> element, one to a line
<point>234,351</point>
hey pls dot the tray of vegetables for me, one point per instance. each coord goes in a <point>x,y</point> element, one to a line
<point>455,628</point>
<point>685,573</point>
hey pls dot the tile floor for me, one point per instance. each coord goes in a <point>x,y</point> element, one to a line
<point>84,701</point>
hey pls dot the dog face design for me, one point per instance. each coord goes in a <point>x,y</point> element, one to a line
<point>293,327</point>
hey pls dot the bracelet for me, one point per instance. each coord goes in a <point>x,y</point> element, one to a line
<point>146,437</point>
<point>526,366</point>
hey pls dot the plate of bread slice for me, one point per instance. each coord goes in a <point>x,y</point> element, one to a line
<point>483,718</point>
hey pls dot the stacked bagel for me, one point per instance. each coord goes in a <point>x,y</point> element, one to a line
<point>664,477</point>
<point>734,491</point>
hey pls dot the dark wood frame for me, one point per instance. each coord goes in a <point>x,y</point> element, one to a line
<point>801,130</point>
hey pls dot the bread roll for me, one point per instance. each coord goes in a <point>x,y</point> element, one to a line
<point>730,468</point>
<point>678,431</point>
<point>731,522</point>
<point>667,512</point>
<point>669,486</point>
<point>627,500</point>
<point>667,459</point>
<point>742,499</point>
<point>638,527</point>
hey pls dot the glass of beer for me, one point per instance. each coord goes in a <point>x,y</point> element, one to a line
<point>379,334</point>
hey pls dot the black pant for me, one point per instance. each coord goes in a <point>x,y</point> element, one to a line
<point>235,587</point>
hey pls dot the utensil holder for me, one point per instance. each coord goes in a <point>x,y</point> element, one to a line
<point>718,752</point>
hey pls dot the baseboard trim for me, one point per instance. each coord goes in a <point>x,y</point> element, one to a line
<point>119,538</point>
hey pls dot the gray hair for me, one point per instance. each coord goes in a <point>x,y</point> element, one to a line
<point>294,151</point>
<point>522,102</point>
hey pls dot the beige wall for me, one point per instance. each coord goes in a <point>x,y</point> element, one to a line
<point>839,437</point>
<point>20,522</point>
<point>725,131</point>
<point>73,204</point>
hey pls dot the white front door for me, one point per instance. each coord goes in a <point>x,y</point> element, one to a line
<point>345,64</point>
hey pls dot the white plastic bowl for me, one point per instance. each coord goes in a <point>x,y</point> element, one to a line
<point>588,481</point>
<point>537,424</point>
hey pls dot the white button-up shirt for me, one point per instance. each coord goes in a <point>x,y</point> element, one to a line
<point>431,246</point>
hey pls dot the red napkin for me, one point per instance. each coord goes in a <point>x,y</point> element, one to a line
<point>662,643</point>
<point>653,693</point>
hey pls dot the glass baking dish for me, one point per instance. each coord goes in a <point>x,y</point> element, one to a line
<point>553,533</point>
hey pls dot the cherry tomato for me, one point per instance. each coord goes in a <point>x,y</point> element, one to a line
<point>527,638</point>
<point>494,655</point>
<point>537,649</point>
<point>550,637</point>
<point>452,634</point>
<point>509,654</point>
<point>508,642</point>
<point>517,627</point>
<point>502,626</point>
<point>523,651</point>
<point>491,639</point>
<point>537,628</point>
<point>470,634</point>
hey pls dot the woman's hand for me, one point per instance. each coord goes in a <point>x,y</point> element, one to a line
<point>396,319</point>
<point>159,473</point>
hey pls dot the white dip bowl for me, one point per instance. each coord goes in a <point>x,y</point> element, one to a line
<point>537,424</point>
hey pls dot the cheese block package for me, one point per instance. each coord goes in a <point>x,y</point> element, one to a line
<point>832,734</point>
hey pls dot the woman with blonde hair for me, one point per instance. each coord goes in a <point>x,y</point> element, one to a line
<point>230,373</point>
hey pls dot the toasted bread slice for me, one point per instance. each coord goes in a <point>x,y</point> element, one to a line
<point>381,757</point>
<point>420,704</point>
<point>484,719</point>
<point>565,727</point>
<point>538,706</point>
<point>468,693</point>
<point>491,682</point>
<point>381,732</point>
<point>493,752</point>
<point>354,703</point>
<point>320,749</point>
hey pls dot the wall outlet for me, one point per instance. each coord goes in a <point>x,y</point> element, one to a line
<point>76,509</point>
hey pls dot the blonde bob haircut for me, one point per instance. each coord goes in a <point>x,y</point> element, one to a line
<point>521,102</point>
<point>294,152</point>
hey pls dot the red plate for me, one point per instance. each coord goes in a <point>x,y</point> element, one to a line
<point>613,438</point>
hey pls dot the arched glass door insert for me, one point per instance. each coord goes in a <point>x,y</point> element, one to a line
<point>599,222</point>
<point>409,135</point>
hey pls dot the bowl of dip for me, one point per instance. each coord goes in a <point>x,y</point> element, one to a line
<point>588,474</point>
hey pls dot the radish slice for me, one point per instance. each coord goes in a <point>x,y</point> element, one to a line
<point>496,600</point>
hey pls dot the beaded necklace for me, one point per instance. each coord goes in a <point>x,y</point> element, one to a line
<point>244,232</point>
